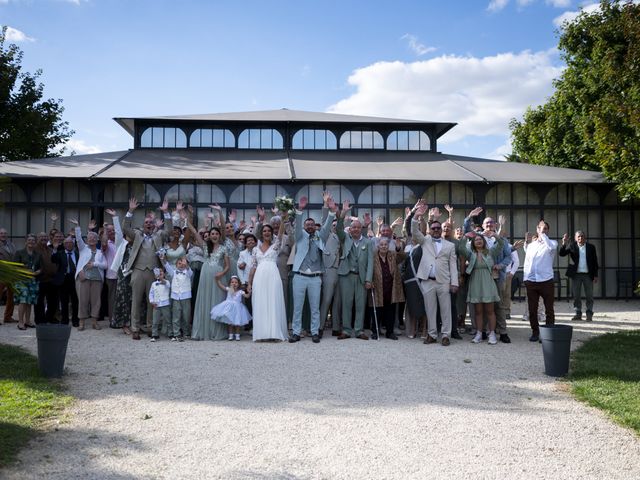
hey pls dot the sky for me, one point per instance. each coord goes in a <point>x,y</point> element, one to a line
<point>478,63</point>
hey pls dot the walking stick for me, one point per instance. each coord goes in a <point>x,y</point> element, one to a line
<point>375,314</point>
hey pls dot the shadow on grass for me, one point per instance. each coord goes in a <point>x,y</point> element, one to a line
<point>27,401</point>
<point>605,373</point>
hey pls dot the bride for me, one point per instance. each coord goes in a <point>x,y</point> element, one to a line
<point>267,297</point>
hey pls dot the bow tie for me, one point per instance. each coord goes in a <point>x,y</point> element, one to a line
<point>179,272</point>
<point>437,240</point>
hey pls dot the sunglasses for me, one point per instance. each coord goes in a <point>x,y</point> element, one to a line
<point>436,228</point>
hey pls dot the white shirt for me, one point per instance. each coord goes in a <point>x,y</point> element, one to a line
<point>245,257</point>
<point>180,282</point>
<point>159,293</point>
<point>515,263</point>
<point>538,261</point>
<point>110,254</point>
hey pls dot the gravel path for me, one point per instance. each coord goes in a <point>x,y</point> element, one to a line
<point>349,409</point>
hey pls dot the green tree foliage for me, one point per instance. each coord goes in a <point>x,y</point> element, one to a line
<point>30,127</point>
<point>592,121</point>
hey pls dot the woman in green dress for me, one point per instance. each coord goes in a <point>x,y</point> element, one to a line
<point>482,291</point>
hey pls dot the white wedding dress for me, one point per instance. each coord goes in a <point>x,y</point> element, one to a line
<point>267,298</point>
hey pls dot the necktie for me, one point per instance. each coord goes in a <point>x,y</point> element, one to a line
<point>70,265</point>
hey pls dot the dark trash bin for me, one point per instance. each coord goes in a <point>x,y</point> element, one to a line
<point>556,349</point>
<point>52,348</point>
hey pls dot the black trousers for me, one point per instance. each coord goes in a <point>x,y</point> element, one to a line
<point>68,294</point>
<point>47,304</point>
<point>386,316</point>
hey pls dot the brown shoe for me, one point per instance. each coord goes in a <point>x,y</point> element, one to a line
<point>95,325</point>
<point>363,336</point>
<point>343,336</point>
<point>446,342</point>
<point>135,335</point>
<point>81,325</point>
<point>429,340</point>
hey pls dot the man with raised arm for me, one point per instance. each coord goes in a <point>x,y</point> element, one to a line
<point>142,260</point>
<point>438,274</point>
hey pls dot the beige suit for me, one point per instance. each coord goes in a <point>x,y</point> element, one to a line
<point>436,291</point>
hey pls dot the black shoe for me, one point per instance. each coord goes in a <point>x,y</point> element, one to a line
<point>335,333</point>
<point>508,316</point>
<point>484,335</point>
<point>391,336</point>
<point>320,333</point>
<point>504,338</point>
<point>455,334</point>
<point>314,338</point>
<point>294,338</point>
<point>374,336</point>
<point>534,338</point>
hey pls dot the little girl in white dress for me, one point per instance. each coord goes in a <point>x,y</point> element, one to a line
<point>232,311</point>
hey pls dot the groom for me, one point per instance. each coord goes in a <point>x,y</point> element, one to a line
<point>308,268</point>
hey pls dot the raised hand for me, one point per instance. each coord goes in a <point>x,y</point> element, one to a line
<point>215,206</point>
<point>366,218</point>
<point>502,220</point>
<point>253,219</point>
<point>302,203</point>
<point>133,204</point>
<point>164,206</point>
<point>74,221</point>
<point>111,211</point>
<point>179,206</point>
<point>449,209</point>
<point>565,239</point>
<point>184,214</point>
<point>331,204</point>
<point>475,212</point>
<point>242,225</point>
<point>274,210</point>
<point>346,206</point>
<point>210,215</point>
<point>518,244</point>
<point>528,237</point>
<point>325,198</point>
<point>397,221</point>
<point>421,210</point>
<point>54,217</point>
<point>379,220</point>
<point>407,211</point>
<point>260,212</point>
<point>434,213</point>
<point>159,223</point>
<point>92,224</point>
<point>233,215</point>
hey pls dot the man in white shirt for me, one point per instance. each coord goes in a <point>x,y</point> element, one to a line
<point>538,276</point>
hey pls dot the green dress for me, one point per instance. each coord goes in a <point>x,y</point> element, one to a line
<point>482,286</point>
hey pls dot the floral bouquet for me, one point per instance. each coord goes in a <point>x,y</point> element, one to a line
<point>162,252</point>
<point>285,203</point>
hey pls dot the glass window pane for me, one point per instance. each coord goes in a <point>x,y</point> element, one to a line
<point>367,140</point>
<point>315,193</point>
<point>414,140</point>
<point>320,137</point>
<point>461,194</point>
<point>332,142</point>
<point>243,139</point>
<point>229,141</point>
<point>145,139</point>
<point>169,137</point>
<point>296,143</point>
<point>380,193</point>
<point>266,139</point>
<point>203,193</point>
<point>396,194</point>
<point>365,195</point>
<point>277,140</point>
<point>251,193</point>
<point>425,143</point>
<point>208,137</point>
<point>356,139</point>
<point>181,139</point>
<point>624,223</point>
<point>345,140</point>
<point>157,139</point>
<point>309,139</point>
<point>392,141</point>
<point>403,140</point>
<point>151,195</point>
<point>237,196</point>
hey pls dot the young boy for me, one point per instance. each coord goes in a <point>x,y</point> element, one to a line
<point>180,296</point>
<point>159,297</point>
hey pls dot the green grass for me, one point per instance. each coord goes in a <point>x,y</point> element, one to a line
<point>28,402</point>
<point>605,373</point>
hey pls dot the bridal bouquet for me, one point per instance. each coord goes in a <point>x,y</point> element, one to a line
<point>285,204</point>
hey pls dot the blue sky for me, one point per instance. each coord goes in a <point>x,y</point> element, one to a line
<point>478,63</point>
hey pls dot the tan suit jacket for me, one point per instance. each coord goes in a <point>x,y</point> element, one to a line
<point>445,261</point>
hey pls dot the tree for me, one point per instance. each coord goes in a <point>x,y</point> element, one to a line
<point>30,127</point>
<point>592,120</point>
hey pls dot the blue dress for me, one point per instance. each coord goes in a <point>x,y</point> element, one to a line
<point>232,311</point>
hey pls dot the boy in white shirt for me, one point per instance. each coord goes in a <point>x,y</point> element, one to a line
<point>160,300</point>
<point>180,296</point>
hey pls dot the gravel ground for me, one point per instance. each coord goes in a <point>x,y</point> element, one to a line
<point>349,409</point>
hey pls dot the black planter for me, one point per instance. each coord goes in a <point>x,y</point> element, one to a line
<point>556,349</point>
<point>52,348</point>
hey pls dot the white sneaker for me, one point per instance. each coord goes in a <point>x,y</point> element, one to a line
<point>237,337</point>
<point>174,339</point>
<point>153,339</point>
<point>477,338</point>
<point>492,338</point>
<point>231,336</point>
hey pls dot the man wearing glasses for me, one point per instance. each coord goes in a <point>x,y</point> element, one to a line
<point>437,273</point>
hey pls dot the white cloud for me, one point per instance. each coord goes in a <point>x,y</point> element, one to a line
<point>497,5</point>
<point>81,147</point>
<point>500,152</point>
<point>481,94</point>
<point>559,3</point>
<point>14,35</point>
<point>417,47</point>
<point>571,15</point>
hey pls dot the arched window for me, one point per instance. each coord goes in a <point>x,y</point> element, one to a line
<point>360,139</point>
<point>314,140</point>
<point>50,191</point>
<point>408,140</point>
<point>501,194</point>
<point>209,193</point>
<point>183,192</point>
<point>376,193</point>
<point>73,191</point>
<point>260,138</point>
<point>212,138</point>
<point>12,193</point>
<point>163,137</point>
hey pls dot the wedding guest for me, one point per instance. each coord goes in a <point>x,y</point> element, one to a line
<point>47,291</point>
<point>68,296</point>
<point>7,252</point>
<point>109,248</point>
<point>232,311</point>
<point>27,290</point>
<point>583,271</point>
<point>122,309</point>
<point>160,301</point>
<point>180,277</point>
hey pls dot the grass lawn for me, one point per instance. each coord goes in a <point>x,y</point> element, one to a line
<point>28,402</point>
<point>605,373</point>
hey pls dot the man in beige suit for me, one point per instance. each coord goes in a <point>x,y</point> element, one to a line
<point>142,260</point>
<point>437,274</point>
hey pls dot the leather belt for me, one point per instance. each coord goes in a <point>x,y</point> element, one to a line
<point>307,274</point>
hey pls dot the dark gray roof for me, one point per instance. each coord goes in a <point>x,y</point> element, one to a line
<point>242,165</point>
<point>286,115</point>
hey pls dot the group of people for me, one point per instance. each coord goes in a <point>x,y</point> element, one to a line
<point>293,276</point>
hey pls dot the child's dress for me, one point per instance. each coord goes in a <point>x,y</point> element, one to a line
<point>232,311</point>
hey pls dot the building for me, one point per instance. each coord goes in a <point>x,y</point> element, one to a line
<point>239,160</point>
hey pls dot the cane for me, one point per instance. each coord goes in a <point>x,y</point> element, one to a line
<point>375,314</point>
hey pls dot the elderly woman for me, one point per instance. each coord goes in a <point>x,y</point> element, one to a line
<point>27,290</point>
<point>387,287</point>
<point>89,277</point>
